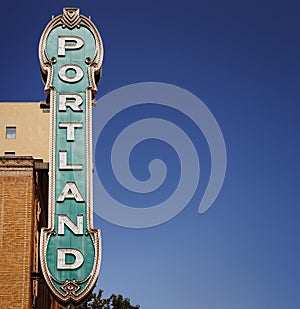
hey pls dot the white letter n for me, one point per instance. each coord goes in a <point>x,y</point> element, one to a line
<point>65,220</point>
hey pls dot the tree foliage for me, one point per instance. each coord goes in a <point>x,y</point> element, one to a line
<point>96,301</point>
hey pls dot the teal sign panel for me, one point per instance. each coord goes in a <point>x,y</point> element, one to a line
<point>71,54</point>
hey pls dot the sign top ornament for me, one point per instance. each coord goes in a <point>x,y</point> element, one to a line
<point>70,19</point>
<point>71,54</point>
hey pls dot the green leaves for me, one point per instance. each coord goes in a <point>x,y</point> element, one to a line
<point>96,301</point>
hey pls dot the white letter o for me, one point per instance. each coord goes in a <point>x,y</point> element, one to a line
<point>76,78</point>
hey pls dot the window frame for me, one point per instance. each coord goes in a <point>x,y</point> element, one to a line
<point>11,134</point>
<point>9,154</point>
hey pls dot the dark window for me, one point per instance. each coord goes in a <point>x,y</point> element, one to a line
<point>11,132</point>
<point>9,154</point>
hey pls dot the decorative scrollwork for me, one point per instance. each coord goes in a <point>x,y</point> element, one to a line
<point>70,287</point>
<point>71,17</point>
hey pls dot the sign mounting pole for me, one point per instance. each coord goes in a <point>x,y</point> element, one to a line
<point>71,54</point>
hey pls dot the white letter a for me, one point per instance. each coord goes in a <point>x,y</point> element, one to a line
<point>70,190</point>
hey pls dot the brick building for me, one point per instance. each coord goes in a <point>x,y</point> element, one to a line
<point>23,205</point>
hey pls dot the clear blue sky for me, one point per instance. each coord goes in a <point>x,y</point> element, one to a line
<point>242,59</point>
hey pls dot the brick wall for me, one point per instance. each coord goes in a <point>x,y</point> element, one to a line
<point>16,219</point>
<point>23,210</point>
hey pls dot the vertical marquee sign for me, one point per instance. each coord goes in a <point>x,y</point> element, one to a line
<point>71,54</point>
